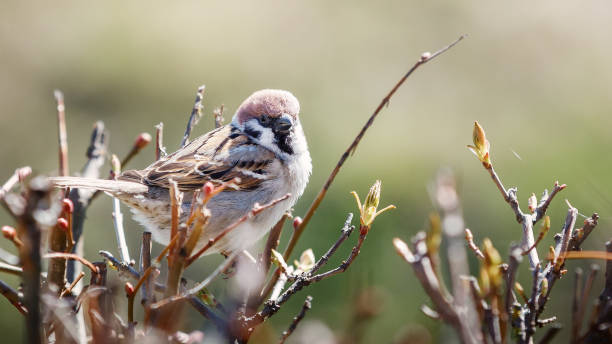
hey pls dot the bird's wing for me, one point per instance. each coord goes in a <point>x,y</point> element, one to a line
<point>218,156</point>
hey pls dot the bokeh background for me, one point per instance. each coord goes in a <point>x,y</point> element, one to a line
<point>536,75</point>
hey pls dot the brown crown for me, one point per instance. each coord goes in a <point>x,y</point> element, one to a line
<point>271,102</point>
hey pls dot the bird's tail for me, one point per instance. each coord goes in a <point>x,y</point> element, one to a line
<point>110,186</point>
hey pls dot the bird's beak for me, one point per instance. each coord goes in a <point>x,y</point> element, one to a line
<point>283,124</point>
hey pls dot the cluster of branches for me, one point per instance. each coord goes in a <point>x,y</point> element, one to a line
<point>59,307</point>
<point>493,307</point>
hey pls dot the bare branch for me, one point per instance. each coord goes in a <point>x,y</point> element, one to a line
<point>62,135</point>
<point>296,320</point>
<point>147,295</point>
<point>545,201</point>
<point>222,267</point>
<point>160,150</point>
<point>469,238</point>
<point>196,113</point>
<point>81,198</point>
<point>20,174</point>
<point>13,297</point>
<point>121,266</point>
<point>426,57</point>
<point>72,256</point>
<point>218,113</point>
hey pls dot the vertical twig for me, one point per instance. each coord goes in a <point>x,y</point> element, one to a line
<point>196,113</point>
<point>81,198</point>
<point>37,199</point>
<point>160,150</point>
<point>147,294</point>
<point>62,136</point>
<point>218,113</point>
<point>118,217</point>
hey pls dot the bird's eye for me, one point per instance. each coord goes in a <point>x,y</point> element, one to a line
<point>264,119</point>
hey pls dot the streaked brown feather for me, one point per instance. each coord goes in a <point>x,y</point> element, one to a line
<point>217,156</point>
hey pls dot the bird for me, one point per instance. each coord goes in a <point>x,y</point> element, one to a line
<point>263,150</point>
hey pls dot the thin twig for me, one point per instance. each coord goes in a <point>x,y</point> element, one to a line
<point>218,113</point>
<point>118,217</point>
<point>222,267</point>
<point>296,320</point>
<point>13,297</point>
<point>469,237</point>
<point>220,323</point>
<point>62,136</point>
<point>353,146</point>
<point>72,256</point>
<point>72,285</point>
<point>545,202</point>
<point>550,334</point>
<point>582,303</point>
<point>8,257</point>
<point>272,243</point>
<point>254,211</point>
<point>147,295</point>
<point>81,198</point>
<point>37,202</point>
<point>543,232</point>
<point>160,150</point>
<point>176,201</point>
<point>141,141</point>
<point>265,263</point>
<point>11,269</point>
<point>274,303</point>
<point>20,174</point>
<point>121,266</point>
<point>196,113</point>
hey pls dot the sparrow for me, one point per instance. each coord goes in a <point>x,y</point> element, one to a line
<point>263,150</point>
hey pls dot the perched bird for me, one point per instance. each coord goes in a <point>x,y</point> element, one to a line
<point>264,146</point>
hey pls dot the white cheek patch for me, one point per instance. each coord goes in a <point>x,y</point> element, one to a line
<point>266,136</point>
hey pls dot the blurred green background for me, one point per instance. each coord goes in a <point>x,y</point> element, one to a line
<point>536,75</point>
